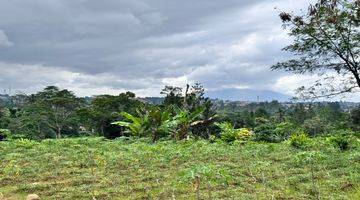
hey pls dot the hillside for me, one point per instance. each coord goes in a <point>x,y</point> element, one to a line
<point>95,168</point>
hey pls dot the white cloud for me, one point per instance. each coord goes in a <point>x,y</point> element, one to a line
<point>4,40</point>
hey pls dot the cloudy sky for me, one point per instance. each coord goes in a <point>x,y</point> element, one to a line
<point>110,46</point>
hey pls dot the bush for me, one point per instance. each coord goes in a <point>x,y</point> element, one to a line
<point>243,134</point>
<point>300,140</point>
<point>230,134</point>
<point>316,126</point>
<point>266,132</point>
<point>4,133</point>
<point>284,130</point>
<point>346,132</point>
<point>340,141</point>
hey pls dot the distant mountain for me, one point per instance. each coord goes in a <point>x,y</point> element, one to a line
<point>247,95</point>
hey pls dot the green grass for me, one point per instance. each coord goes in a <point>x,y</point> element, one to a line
<point>95,168</point>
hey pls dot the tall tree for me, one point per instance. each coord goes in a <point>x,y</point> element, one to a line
<point>59,106</point>
<point>326,41</point>
<point>105,109</point>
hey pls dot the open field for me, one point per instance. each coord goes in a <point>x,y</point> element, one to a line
<point>95,168</point>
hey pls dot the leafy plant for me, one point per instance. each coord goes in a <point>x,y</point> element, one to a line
<point>153,122</point>
<point>300,140</point>
<point>4,133</point>
<point>137,125</point>
<point>185,120</point>
<point>284,130</point>
<point>265,131</point>
<point>244,134</point>
<point>230,134</point>
<point>340,141</point>
<point>316,126</point>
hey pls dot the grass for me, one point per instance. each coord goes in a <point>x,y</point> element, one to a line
<point>95,168</point>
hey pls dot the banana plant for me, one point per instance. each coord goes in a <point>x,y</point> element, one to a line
<point>186,119</point>
<point>137,126</point>
<point>154,122</point>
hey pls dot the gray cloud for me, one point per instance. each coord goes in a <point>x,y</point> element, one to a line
<point>111,46</point>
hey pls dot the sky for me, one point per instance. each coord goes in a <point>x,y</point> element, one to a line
<point>110,46</point>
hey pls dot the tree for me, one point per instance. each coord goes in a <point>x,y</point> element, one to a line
<point>105,109</point>
<point>34,121</point>
<point>173,95</point>
<point>52,108</point>
<point>195,99</point>
<point>326,42</point>
<point>355,118</point>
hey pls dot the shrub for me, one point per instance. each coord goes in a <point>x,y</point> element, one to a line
<point>230,134</point>
<point>243,134</point>
<point>4,133</point>
<point>340,141</point>
<point>346,132</point>
<point>300,140</point>
<point>284,130</point>
<point>316,126</point>
<point>266,133</point>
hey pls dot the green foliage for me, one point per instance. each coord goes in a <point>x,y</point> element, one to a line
<point>316,126</point>
<point>56,113</point>
<point>159,123</point>
<point>284,129</point>
<point>300,140</point>
<point>191,103</point>
<point>186,119</point>
<point>173,96</point>
<point>355,118</point>
<point>269,131</point>
<point>48,114</point>
<point>4,133</point>
<point>103,110</point>
<point>265,131</point>
<point>230,134</point>
<point>137,125</point>
<point>341,142</point>
<point>155,123</point>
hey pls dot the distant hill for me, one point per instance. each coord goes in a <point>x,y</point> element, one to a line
<point>247,95</point>
<point>153,100</point>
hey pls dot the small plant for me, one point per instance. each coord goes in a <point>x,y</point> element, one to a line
<point>300,140</point>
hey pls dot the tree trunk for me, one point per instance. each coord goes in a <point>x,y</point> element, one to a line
<point>102,130</point>
<point>58,134</point>
<point>155,136</point>
<point>356,75</point>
